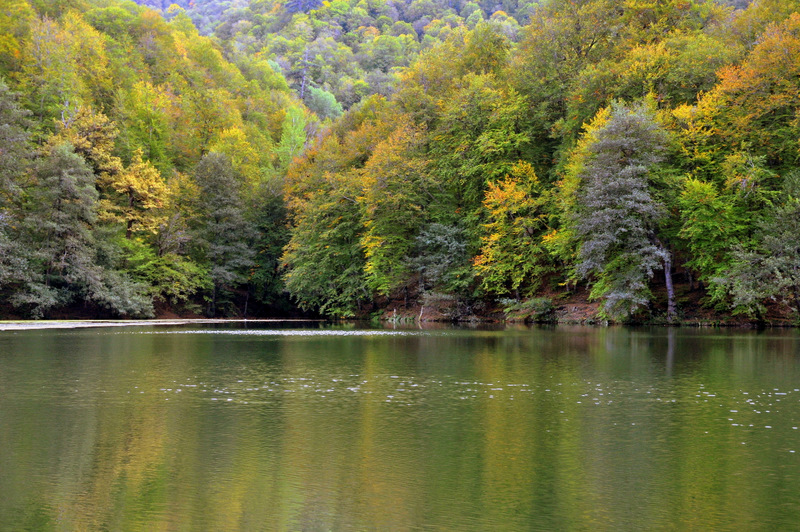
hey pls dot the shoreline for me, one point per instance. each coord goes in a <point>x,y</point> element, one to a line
<point>33,325</point>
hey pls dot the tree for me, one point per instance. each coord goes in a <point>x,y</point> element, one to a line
<point>222,230</point>
<point>323,261</point>
<point>512,256</point>
<point>394,199</point>
<point>301,6</point>
<point>59,232</point>
<point>92,135</point>
<point>616,219</point>
<point>293,137</point>
<point>270,217</point>
<point>143,192</point>
<point>16,158</point>
<point>323,104</point>
<point>440,256</point>
<point>770,268</point>
<point>479,139</point>
<point>15,149</point>
<point>712,223</point>
<point>15,20</point>
<point>757,102</point>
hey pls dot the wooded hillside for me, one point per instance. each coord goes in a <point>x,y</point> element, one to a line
<point>339,155</point>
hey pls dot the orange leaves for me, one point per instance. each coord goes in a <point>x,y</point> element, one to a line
<point>758,101</point>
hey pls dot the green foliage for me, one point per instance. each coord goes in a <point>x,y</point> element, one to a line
<point>293,137</point>
<point>323,103</point>
<point>770,269</point>
<point>301,6</point>
<point>342,150</point>
<point>64,250</point>
<point>394,199</point>
<point>272,236</point>
<point>440,257</point>
<point>17,151</point>
<point>535,309</point>
<point>222,234</point>
<point>712,224</point>
<point>171,278</point>
<point>323,261</point>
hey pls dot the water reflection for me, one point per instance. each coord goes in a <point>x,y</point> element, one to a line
<point>348,429</point>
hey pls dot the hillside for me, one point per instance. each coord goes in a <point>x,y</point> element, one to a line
<point>340,157</point>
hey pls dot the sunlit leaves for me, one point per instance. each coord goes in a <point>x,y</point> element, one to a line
<point>512,258</point>
<point>396,191</point>
<point>143,192</point>
<point>759,100</point>
<point>711,225</point>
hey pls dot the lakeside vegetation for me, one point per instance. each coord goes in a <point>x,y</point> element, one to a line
<point>335,157</point>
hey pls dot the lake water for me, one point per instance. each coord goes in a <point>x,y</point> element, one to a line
<point>341,428</point>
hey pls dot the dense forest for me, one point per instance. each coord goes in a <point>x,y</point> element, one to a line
<point>343,158</point>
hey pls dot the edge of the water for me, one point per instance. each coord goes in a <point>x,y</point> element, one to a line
<point>81,324</point>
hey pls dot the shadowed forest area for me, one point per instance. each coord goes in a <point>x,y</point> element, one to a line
<point>629,160</point>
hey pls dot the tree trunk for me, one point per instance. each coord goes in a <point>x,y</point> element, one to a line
<point>671,313</point>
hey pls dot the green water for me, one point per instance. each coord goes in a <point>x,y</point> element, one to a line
<point>338,428</point>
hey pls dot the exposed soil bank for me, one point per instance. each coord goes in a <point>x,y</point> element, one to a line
<point>576,308</point>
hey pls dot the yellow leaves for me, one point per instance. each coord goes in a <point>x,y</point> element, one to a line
<point>15,18</point>
<point>234,143</point>
<point>511,252</point>
<point>142,192</point>
<point>66,63</point>
<point>757,101</point>
<point>92,134</point>
<point>698,192</point>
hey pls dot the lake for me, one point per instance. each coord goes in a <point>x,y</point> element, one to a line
<point>333,427</point>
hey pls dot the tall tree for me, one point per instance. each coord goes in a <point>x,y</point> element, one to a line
<point>15,149</point>
<point>65,253</point>
<point>512,258</point>
<point>223,232</point>
<point>617,216</point>
<point>394,200</point>
<point>16,158</point>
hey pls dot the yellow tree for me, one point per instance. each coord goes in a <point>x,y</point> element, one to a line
<point>512,256</point>
<point>65,66</point>
<point>143,193</point>
<point>395,187</point>
<point>15,20</point>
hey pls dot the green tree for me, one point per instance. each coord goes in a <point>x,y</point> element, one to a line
<point>479,138</point>
<point>270,218</point>
<point>712,223</point>
<point>222,231</point>
<point>293,137</point>
<point>769,270</point>
<point>58,231</point>
<point>17,152</point>
<point>323,261</point>
<point>323,104</point>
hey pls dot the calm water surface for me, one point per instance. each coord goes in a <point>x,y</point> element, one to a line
<point>339,428</point>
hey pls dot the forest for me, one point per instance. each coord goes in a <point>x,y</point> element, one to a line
<point>353,158</point>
